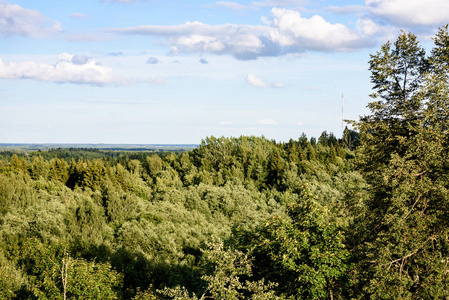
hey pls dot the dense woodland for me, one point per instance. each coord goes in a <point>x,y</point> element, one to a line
<point>362,216</point>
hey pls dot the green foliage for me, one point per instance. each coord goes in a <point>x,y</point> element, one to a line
<point>224,279</point>
<point>11,278</point>
<point>304,253</point>
<point>58,170</point>
<point>148,294</point>
<point>92,280</point>
<point>154,165</point>
<point>404,156</point>
<point>38,168</point>
<point>91,224</point>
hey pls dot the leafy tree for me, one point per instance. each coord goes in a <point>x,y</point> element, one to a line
<point>11,278</point>
<point>404,156</point>
<point>92,280</point>
<point>38,167</point>
<point>225,277</point>
<point>148,294</point>
<point>304,252</point>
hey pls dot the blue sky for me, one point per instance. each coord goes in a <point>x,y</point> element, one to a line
<point>168,71</point>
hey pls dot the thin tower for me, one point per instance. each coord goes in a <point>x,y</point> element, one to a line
<point>342,106</point>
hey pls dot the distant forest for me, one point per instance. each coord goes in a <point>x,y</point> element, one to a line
<point>362,216</point>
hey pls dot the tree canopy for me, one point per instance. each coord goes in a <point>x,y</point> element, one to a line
<point>361,217</point>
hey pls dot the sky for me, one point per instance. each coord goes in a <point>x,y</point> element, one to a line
<point>176,72</point>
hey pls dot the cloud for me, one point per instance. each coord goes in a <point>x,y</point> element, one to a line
<point>372,28</point>
<point>80,59</point>
<point>152,61</point>
<point>16,20</point>
<point>287,32</point>
<point>241,41</point>
<point>78,16</point>
<point>349,9</point>
<point>368,26</point>
<point>300,123</point>
<point>266,122</point>
<point>411,12</point>
<point>281,3</point>
<point>91,37</point>
<point>289,29</point>
<point>266,3</point>
<point>226,123</point>
<point>203,61</point>
<point>258,82</point>
<point>232,5</point>
<point>119,53</point>
<point>68,69</point>
<point>255,81</point>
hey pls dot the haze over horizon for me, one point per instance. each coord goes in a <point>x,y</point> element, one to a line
<point>175,72</point>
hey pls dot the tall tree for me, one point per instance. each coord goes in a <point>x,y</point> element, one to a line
<point>403,154</point>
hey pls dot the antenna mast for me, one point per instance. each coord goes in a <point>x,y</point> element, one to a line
<point>342,106</point>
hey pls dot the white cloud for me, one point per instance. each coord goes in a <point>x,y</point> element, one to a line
<point>411,12</point>
<point>241,41</point>
<point>281,3</point>
<point>299,123</point>
<point>90,37</point>
<point>78,15</point>
<point>374,29</point>
<point>265,3</point>
<point>16,20</point>
<point>266,122</point>
<point>277,85</point>
<point>226,123</point>
<point>232,5</point>
<point>56,26</point>
<point>68,69</point>
<point>289,29</point>
<point>287,32</point>
<point>255,81</point>
<point>368,26</point>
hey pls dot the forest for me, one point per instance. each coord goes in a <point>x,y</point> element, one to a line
<point>361,216</point>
